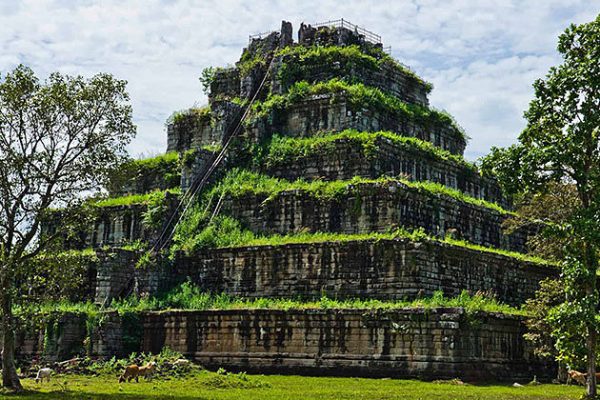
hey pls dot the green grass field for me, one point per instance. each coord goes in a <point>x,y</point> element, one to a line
<point>209,385</point>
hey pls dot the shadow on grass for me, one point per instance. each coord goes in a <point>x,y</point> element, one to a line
<point>90,395</point>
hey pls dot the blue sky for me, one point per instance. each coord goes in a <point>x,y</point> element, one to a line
<point>481,56</point>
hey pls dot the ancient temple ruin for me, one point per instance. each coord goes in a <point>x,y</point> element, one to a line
<point>329,145</point>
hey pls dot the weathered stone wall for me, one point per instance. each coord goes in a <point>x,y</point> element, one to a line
<point>440,343</point>
<point>109,226</point>
<point>388,78</point>
<point>117,225</point>
<point>347,160</point>
<point>58,340</point>
<point>70,335</point>
<point>406,343</point>
<point>224,116</point>
<point>382,269</point>
<point>225,83</point>
<point>374,207</point>
<point>115,274</point>
<point>333,113</point>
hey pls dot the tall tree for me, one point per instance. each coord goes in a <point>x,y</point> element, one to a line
<point>561,144</point>
<point>58,140</point>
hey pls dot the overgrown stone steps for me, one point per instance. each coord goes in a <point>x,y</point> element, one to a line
<point>378,206</point>
<point>380,268</point>
<point>335,113</point>
<point>372,155</point>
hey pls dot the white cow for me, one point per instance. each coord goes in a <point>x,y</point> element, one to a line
<point>43,373</point>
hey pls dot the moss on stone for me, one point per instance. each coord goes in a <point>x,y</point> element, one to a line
<point>359,97</point>
<point>300,61</point>
<point>284,150</point>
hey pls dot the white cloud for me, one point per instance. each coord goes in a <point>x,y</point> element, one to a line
<point>482,56</point>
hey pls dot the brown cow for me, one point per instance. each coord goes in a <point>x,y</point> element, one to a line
<point>134,372</point>
<point>577,376</point>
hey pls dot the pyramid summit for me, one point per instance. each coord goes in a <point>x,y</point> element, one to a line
<point>321,195</point>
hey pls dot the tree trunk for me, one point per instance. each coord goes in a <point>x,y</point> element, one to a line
<point>591,342</point>
<point>10,379</point>
<point>591,370</point>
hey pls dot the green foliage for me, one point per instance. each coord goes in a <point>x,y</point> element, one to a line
<point>188,296</point>
<point>561,144</point>
<point>134,199</point>
<point>188,227</point>
<point>283,150</point>
<point>505,165</point>
<point>61,137</point>
<point>238,183</point>
<point>550,294</point>
<point>359,97</point>
<point>222,231</point>
<point>552,207</point>
<point>190,118</point>
<point>189,157</point>
<point>157,206</point>
<point>160,172</point>
<point>253,57</point>
<point>571,320</point>
<point>299,62</point>
<point>206,78</point>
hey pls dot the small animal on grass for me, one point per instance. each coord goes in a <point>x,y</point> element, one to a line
<point>576,376</point>
<point>43,373</point>
<point>134,372</point>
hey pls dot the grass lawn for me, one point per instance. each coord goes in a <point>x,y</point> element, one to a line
<point>209,385</point>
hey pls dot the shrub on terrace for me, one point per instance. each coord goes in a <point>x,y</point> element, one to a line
<point>358,96</point>
<point>135,176</point>
<point>300,62</point>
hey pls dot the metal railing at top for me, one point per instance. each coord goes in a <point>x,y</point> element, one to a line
<point>342,23</point>
<point>336,23</point>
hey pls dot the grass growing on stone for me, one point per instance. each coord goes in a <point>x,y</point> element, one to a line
<point>224,231</point>
<point>359,96</point>
<point>188,296</point>
<point>166,167</point>
<point>134,199</point>
<point>286,149</point>
<point>417,235</point>
<point>208,385</point>
<point>300,61</point>
<point>239,183</point>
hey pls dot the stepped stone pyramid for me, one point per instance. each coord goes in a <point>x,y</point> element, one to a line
<point>361,191</point>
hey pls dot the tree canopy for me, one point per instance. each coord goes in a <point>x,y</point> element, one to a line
<point>59,140</point>
<point>560,144</point>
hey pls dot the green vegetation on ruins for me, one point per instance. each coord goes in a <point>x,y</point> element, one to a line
<point>238,183</point>
<point>165,167</point>
<point>195,234</point>
<point>359,96</point>
<point>288,149</point>
<point>134,199</point>
<point>191,115</point>
<point>188,296</point>
<point>298,62</point>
